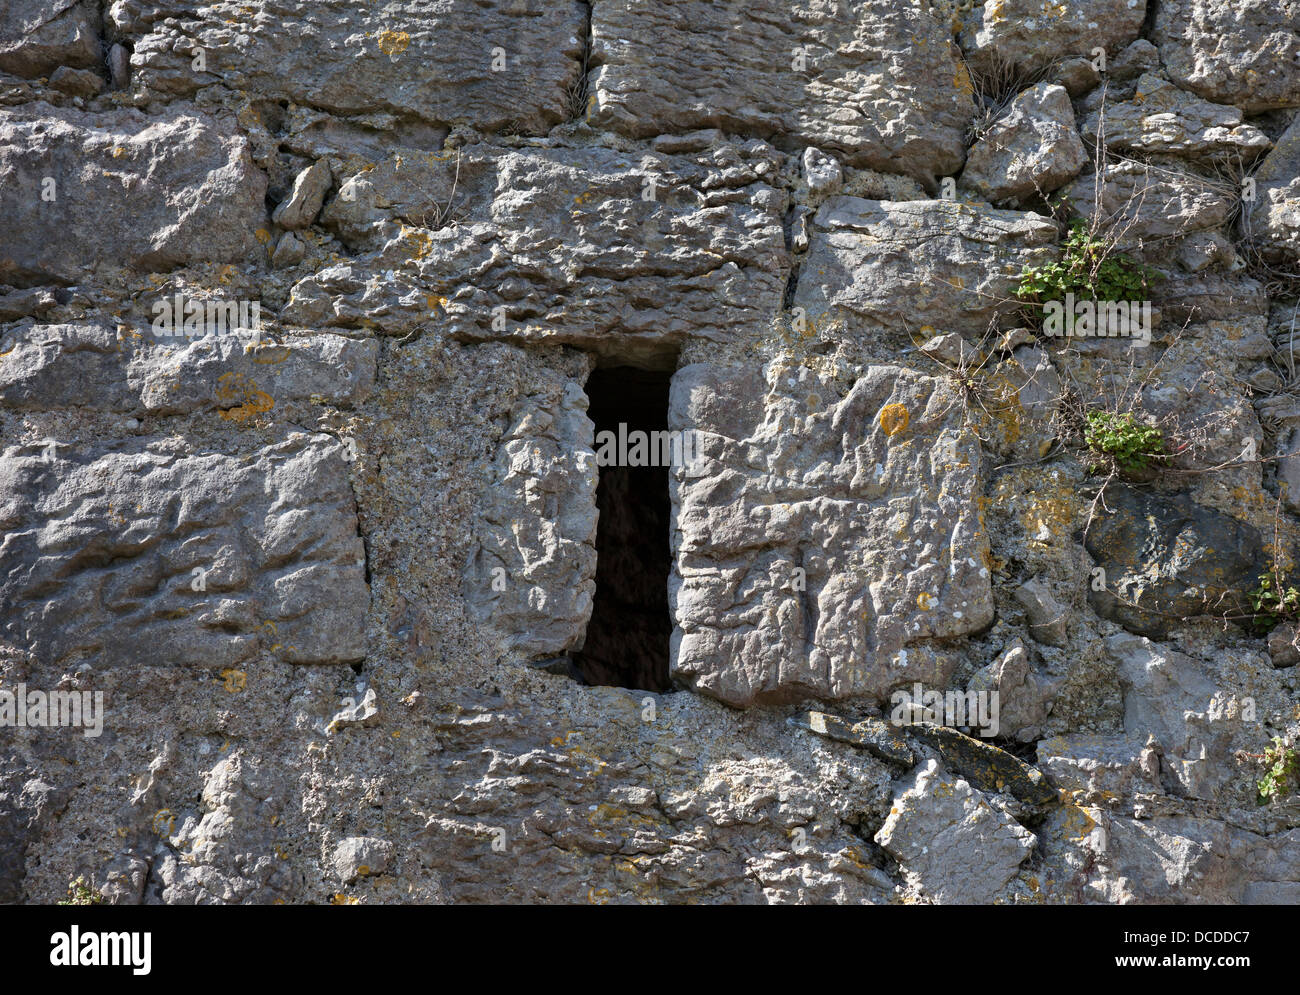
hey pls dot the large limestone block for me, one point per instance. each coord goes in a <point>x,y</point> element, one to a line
<point>821,537</point>
<point>486,64</point>
<point>98,366</point>
<point>38,36</point>
<point>877,81</point>
<point>153,555</point>
<point>1243,52</point>
<point>896,267</point>
<point>81,190</point>
<point>1140,204</point>
<point>1029,35</point>
<point>1271,221</point>
<point>1167,558</point>
<point>950,842</point>
<point>1162,119</point>
<point>625,255</point>
<point>532,575</point>
<point>1033,148</point>
<point>1176,860</point>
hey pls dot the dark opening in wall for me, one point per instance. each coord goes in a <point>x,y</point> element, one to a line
<point>627,637</point>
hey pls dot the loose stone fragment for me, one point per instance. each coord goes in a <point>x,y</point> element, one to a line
<point>876,737</point>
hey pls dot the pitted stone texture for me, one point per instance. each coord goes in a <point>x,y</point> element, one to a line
<point>230,844</point>
<point>1162,119</point>
<point>300,208</point>
<point>1140,204</point>
<point>1168,558</point>
<point>1163,215</point>
<point>880,83</point>
<point>38,36</point>
<point>100,553</point>
<point>26,806</point>
<point>952,844</point>
<point>532,578</point>
<point>1033,148</point>
<point>420,58</point>
<point>1242,52</point>
<point>1030,35</point>
<point>1272,221</point>
<point>820,538</point>
<point>1196,710</point>
<point>149,192</point>
<point>107,368</point>
<point>881,269</point>
<point>1099,770</point>
<point>662,820</point>
<point>622,255</point>
<point>1164,861</point>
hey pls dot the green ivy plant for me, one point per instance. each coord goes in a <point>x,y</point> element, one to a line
<point>1271,604</point>
<point>1119,438</point>
<point>1281,771</point>
<point>1089,269</point>
<point>81,893</point>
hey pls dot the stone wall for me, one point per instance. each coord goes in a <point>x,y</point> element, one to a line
<point>299,303</point>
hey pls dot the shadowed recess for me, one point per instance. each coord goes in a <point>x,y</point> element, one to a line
<point>628,635</point>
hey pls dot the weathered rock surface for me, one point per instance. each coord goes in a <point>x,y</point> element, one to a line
<point>878,268</point>
<point>1029,35</point>
<point>952,844</point>
<point>361,856</point>
<point>1099,770</point>
<point>180,188</point>
<point>533,576</point>
<point>1169,559</point>
<point>238,375</point>
<point>38,36</point>
<point>829,75</point>
<point>1033,148</point>
<point>1181,706</point>
<point>485,66</point>
<point>337,565</point>
<point>1140,204</point>
<point>878,738</point>
<point>813,548</point>
<point>1162,119</point>
<point>1046,616</point>
<point>989,767</point>
<point>1024,696</point>
<point>1271,221</point>
<point>197,560</point>
<point>304,202</point>
<point>1240,52</point>
<point>661,246</point>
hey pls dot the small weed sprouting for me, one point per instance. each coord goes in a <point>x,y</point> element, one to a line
<point>1273,601</point>
<point>81,893</point>
<point>1090,269</point>
<point>1281,763</point>
<point>1118,440</point>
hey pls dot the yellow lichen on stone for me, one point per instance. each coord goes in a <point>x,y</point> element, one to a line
<point>234,388</point>
<point>393,42</point>
<point>894,419</point>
